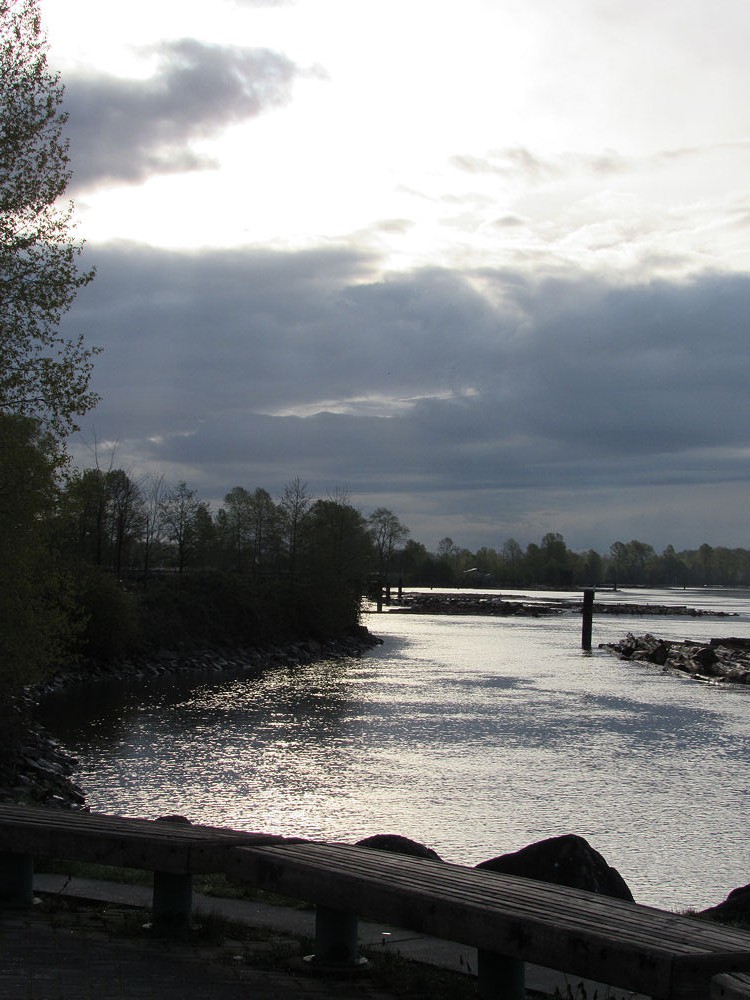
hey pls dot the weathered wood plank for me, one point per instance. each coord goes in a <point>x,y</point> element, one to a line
<point>154,845</point>
<point>620,943</point>
<point>545,942</point>
<point>730,987</point>
<point>516,894</point>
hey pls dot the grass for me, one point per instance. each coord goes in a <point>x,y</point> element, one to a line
<point>219,886</point>
<point>413,979</point>
<point>101,873</point>
<point>111,920</point>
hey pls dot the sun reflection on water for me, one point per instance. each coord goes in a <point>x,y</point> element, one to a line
<point>474,736</point>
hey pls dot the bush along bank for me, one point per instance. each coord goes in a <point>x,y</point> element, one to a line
<point>35,769</point>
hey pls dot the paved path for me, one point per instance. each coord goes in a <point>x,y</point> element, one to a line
<point>44,962</point>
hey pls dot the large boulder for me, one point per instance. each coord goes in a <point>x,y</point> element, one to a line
<point>399,845</point>
<point>734,909</point>
<point>568,860</point>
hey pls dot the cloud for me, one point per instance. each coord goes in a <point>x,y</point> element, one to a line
<point>507,162</point>
<point>124,130</point>
<point>495,401</point>
<point>521,163</point>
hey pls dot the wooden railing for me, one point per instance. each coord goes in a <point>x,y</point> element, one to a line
<point>510,920</point>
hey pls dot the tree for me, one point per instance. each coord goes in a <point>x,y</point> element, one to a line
<point>512,556</point>
<point>338,551</point>
<point>153,493</point>
<point>448,554</point>
<point>488,563</point>
<point>201,536</point>
<point>84,515</point>
<point>339,544</point>
<point>42,373</point>
<point>102,516</point>
<point>556,568</point>
<point>265,537</point>
<point>592,568</point>
<point>387,533</point>
<point>126,513</point>
<point>705,554</point>
<point>294,505</point>
<point>237,507</point>
<point>36,617</point>
<point>674,571</point>
<point>416,562</point>
<point>184,518</point>
<point>619,553</point>
<point>446,548</point>
<point>640,555</point>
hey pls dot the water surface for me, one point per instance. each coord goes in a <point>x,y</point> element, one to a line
<point>476,736</point>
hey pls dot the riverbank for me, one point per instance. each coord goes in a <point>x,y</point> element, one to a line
<point>37,770</point>
<point>216,660</point>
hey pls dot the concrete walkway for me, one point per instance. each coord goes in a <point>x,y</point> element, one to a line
<point>50,959</point>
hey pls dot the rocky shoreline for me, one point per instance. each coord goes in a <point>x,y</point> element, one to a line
<point>218,660</point>
<point>717,661</point>
<point>499,606</point>
<point>40,771</point>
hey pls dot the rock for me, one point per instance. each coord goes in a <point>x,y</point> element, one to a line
<point>568,860</point>
<point>736,907</point>
<point>705,656</point>
<point>645,647</point>
<point>732,642</point>
<point>35,769</point>
<point>718,661</point>
<point>399,845</point>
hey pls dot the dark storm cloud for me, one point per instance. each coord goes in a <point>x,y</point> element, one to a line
<point>253,367</point>
<point>126,129</point>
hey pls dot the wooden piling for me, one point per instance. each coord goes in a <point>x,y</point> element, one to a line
<point>588,616</point>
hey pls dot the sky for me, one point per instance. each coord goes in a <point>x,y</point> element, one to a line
<point>485,263</point>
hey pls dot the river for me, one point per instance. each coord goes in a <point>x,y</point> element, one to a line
<point>473,735</point>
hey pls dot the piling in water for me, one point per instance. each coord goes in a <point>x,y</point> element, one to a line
<point>588,615</point>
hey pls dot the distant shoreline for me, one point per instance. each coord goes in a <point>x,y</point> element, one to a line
<point>493,604</point>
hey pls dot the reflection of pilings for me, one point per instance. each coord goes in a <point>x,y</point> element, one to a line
<point>588,616</point>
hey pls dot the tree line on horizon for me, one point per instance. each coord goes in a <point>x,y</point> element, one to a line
<point>551,563</point>
<point>135,527</point>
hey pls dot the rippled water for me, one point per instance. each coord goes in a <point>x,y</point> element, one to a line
<point>476,736</point>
